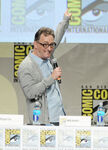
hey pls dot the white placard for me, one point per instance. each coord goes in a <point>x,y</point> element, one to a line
<point>8,119</point>
<point>76,121</point>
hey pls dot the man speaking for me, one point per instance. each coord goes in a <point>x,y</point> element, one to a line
<point>38,79</point>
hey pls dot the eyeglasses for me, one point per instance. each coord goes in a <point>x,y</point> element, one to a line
<point>52,45</point>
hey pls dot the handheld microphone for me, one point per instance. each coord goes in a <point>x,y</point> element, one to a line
<point>55,65</point>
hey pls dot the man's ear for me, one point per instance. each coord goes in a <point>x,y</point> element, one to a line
<point>35,44</point>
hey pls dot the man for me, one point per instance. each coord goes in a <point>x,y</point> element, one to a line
<point>37,77</point>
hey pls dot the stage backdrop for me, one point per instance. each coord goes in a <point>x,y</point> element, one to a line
<point>84,67</point>
<point>88,24</point>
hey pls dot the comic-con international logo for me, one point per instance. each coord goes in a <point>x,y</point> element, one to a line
<point>88,16</point>
<point>27,15</point>
<point>21,50</point>
<point>90,100</point>
<point>74,6</point>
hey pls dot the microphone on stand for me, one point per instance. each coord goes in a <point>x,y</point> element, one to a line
<point>55,65</point>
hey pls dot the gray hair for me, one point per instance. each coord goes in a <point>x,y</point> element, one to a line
<point>44,30</point>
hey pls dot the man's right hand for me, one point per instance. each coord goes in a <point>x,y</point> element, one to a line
<point>56,73</point>
<point>67,13</point>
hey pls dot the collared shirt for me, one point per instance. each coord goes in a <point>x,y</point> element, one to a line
<point>54,99</point>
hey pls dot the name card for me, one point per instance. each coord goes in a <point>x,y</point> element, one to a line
<point>7,120</point>
<point>76,121</point>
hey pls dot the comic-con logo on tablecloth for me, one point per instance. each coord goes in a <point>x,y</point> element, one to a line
<point>12,137</point>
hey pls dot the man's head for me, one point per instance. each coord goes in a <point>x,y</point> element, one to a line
<point>44,30</point>
<point>44,42</point>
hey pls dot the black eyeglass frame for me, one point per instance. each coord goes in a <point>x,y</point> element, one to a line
<point>45,45</point>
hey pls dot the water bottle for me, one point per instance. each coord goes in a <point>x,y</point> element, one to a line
<point>100,115</point>
<point>36,113</point>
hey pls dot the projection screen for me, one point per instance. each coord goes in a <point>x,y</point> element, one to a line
<point>20,19</point>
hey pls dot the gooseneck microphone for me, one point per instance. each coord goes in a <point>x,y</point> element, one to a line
<point>55,65</point>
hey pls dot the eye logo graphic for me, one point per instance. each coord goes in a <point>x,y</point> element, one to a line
<point>12,137</point>
<point>95,13</point>
<point>48,138</point>
<point>83,138</point>
<point>88,16</point>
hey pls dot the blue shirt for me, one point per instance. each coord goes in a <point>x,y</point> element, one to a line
<point>54,99</point>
